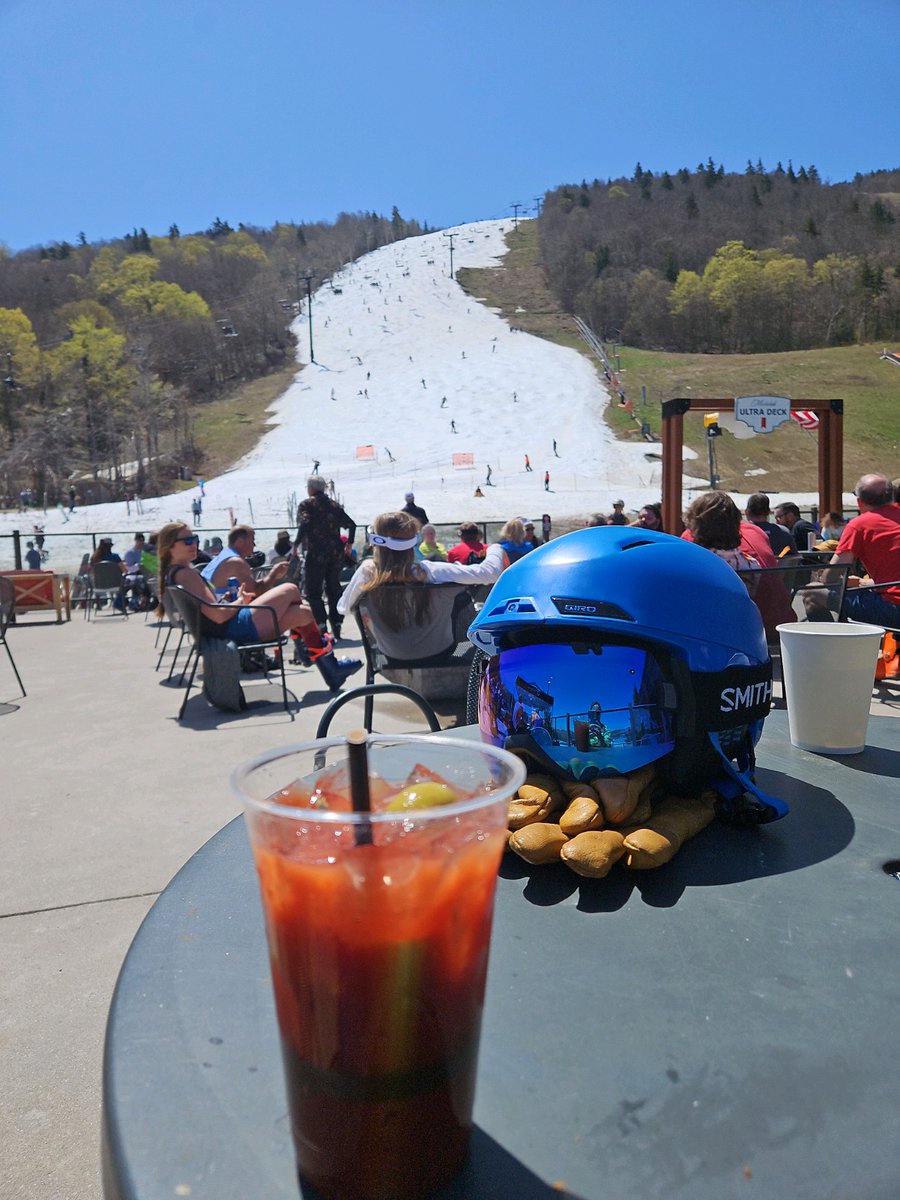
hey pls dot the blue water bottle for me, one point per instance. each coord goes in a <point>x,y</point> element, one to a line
<point>231,590</point>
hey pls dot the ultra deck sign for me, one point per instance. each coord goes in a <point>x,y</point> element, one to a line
<point>762,413</point>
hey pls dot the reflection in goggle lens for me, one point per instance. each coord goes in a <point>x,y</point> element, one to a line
<point>594,710</point>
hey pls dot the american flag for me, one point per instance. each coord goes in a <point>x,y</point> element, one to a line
<point>805,418</point>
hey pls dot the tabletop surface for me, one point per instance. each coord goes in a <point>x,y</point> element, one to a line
<point>725,1026</point>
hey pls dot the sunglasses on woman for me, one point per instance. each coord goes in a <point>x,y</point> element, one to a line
<point>189,539</point>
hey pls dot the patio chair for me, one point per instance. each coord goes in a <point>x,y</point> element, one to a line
<point>190,607</point>
<point>172,621</point>
<point>377,689</point>
<point>438,644</point>
<point>82,586</point>
<point>880,587</point>
<point>107,583</point>
<point>7,605</point>
<point>796,591</point>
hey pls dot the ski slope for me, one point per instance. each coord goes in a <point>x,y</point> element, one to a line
<point>411,370</point>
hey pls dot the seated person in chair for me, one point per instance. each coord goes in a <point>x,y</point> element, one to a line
<point>284,544</point>
<point>714,521</point>
<point>231,562</point>
<point>252,618</point>
<point>873,538</point>
<point>394,537</point>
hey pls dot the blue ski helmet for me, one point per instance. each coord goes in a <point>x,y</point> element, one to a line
<point>616,646</point>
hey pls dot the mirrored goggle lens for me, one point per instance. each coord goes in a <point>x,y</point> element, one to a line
<point>592,709</point>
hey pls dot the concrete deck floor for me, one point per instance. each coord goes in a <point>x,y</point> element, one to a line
<point>104,797</point>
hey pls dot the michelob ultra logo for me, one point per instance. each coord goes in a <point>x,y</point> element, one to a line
<point>733,699</point>
<point>762,413</point>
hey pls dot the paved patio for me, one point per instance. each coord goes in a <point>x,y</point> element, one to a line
<point>105,796</point>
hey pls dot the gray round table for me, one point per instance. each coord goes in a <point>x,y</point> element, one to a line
<point>723,1027</point>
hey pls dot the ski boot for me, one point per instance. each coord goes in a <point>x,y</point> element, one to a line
<point>333,670</point>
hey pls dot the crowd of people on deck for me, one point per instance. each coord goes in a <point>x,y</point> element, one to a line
<point>309,582</point>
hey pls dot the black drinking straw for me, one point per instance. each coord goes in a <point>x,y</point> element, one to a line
<point>358,760</point>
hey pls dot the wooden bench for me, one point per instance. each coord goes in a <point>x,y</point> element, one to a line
<point>37,591</point>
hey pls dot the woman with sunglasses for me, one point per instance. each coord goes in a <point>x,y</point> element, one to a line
<point>250,619</point>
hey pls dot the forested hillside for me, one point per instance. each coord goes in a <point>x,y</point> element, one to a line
<point>706,261</point>
<point>107,349</point>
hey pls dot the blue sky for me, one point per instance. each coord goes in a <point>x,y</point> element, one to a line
<point>123,113</point>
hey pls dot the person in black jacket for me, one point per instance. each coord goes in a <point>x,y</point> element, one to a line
<point>319,523</point>
<point>758,513</point>
<point>788,514</point>
<point>414,509</point>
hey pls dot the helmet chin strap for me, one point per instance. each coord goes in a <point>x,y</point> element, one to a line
<point>736,806</point>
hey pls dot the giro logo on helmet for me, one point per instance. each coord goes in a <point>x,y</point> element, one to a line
<point>734,698</point>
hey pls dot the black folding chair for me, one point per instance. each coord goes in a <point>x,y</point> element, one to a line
<point>7,607</point>
<point>796,591</point>
<point>191,608</point>
<point>172,620</point>
<point>436,643</point>
<point>881,587</point>
<point>108,583</point>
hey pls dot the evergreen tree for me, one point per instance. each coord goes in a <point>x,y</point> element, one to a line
<point>219,229</point>
<point>881,213</point>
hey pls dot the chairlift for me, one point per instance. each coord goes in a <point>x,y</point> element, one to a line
<point>228,330</point>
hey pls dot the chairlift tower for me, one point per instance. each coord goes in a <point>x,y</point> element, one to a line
<point>450,237</point>
<point>307,278</point>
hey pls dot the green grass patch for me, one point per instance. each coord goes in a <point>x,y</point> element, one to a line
<point>854,374</point>
<point>518,292</point>
<point>226,429</point>
<point>869,386</point>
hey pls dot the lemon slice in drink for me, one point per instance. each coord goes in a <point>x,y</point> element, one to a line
<point>427,794</point>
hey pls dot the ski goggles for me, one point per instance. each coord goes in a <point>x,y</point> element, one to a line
<point>581,710</point>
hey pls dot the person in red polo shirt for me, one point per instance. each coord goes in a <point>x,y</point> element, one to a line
<point>873,537</point>
<point>471,548</point>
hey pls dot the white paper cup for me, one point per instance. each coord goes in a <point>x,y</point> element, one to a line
<point>829,672</point>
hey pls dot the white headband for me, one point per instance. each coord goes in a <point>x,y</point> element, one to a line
<point>392,543</point>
